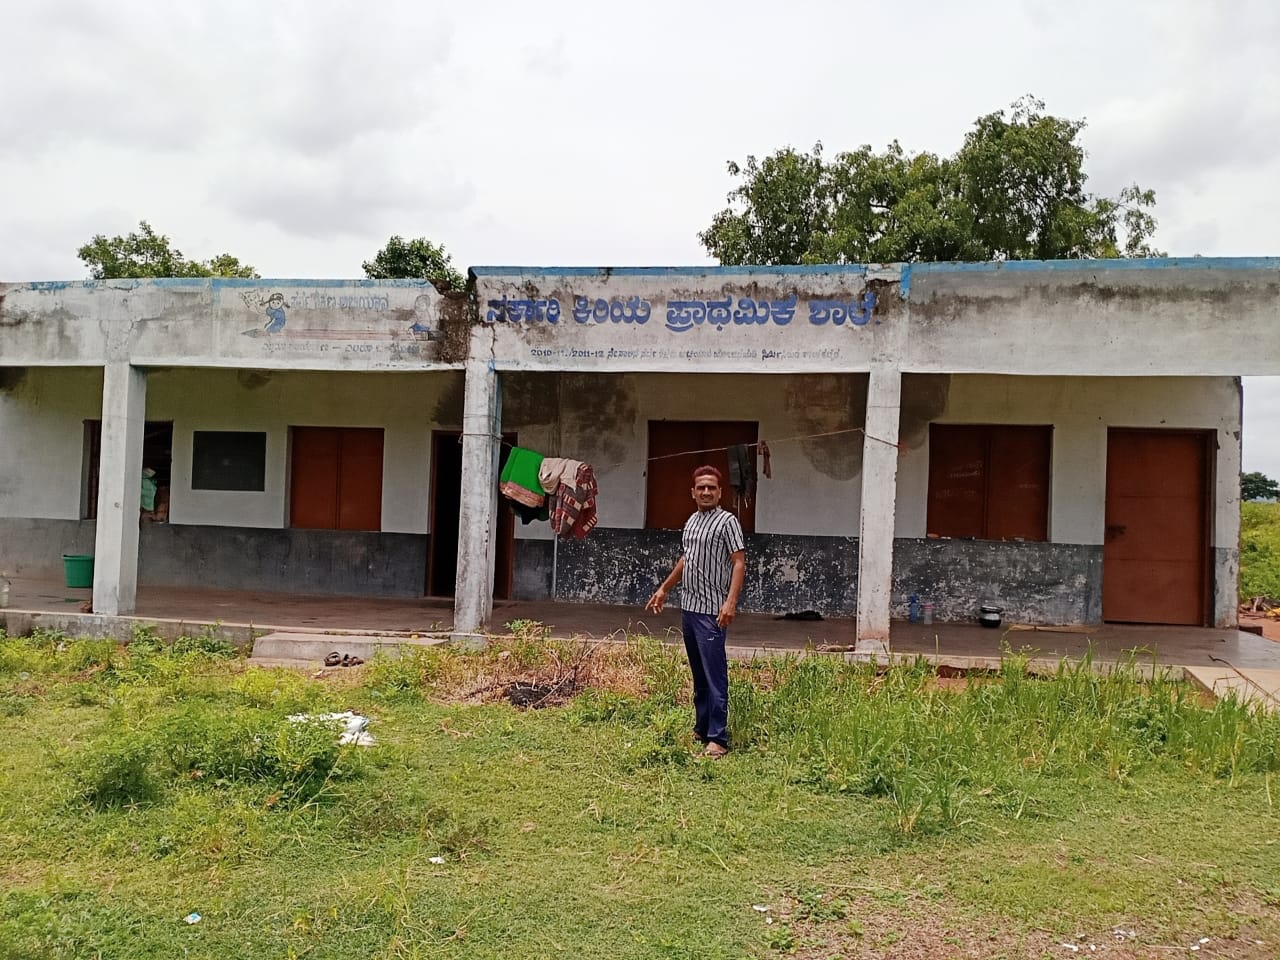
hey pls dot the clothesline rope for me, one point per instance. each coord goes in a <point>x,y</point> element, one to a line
<point>687,453</point>
<point>799,436</point>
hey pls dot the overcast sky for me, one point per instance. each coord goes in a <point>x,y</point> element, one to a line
<point>300,135</point>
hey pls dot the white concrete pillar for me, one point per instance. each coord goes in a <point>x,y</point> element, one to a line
<point>478,516</point>
<point>879,502</point>
<point>115,554</point>
<point>1226,516</point>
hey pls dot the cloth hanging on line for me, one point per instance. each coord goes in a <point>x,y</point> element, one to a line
<point>519,479</point>
<point>573,510</point>
<point>765,468</point>
<point>742,474</point>
<point>147,496</point>
<point>557,470</point>
<point>528,514</point>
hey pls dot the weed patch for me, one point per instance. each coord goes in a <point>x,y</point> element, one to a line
<point>1260,551</point>
<point>14,705</point>
<point>116,772</point>
<point>866,812</point>
<point>202,747</point>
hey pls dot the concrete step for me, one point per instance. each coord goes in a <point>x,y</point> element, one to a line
<point>286,663</point>
<point>1249,685</point>
<point>311,648</point>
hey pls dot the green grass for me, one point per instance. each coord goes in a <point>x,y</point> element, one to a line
<point>1260,551</point>
<point>864,810</point>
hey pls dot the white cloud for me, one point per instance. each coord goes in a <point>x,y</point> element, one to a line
<point>300,134</point>
<point>367,186</point>
<point>1261,438</point>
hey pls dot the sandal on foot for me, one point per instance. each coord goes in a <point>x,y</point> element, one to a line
<point>333,659</point>
<point>714,751</point>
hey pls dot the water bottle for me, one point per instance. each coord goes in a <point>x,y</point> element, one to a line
<point>913,608</point>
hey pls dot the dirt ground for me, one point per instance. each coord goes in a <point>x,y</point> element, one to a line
<point>1270,625</point>
<point>916,929</point>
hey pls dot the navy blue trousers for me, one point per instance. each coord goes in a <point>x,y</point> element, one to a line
<point>704,641</point>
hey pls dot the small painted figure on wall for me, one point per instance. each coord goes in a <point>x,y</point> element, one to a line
<point>275,313</point>
<point>421,327</point>
<point>276,316</point>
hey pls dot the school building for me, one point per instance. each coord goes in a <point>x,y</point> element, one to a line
<point>1061,439</point>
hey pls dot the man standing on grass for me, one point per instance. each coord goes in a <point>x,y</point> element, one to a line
<point>711,568</point>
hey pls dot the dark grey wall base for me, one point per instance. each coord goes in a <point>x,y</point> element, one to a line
<point>1045,583</point>
<point>784,572</point>
<point>351,562</point>
<point>34,547</point>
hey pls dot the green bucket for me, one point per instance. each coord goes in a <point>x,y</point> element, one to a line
<point>79,569</point>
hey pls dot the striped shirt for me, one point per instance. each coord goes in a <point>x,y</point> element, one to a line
<point>710,538</point>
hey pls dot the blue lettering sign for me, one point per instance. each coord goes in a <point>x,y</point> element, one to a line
<point>617,310</point>
<point>523,311</point>
<point>781,311</point>
<point>838,312</point>
<point>684,314</point>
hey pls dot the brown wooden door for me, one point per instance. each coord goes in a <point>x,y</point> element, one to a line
<point>1155,565</point>
<point>676,448</point>
<point>1018,484</point>
<point>957,481</point>
<point>360,480</point>
<point>336,478</point>
<point>313,478</point>
<point>989,482</point>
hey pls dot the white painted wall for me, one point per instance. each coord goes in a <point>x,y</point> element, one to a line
<point>42,440</point>
<point>1080,410</point>
<point>1187,317</point>
<point>1180,317</point>
<point>799,499</point>
<point>276,324</point>
<point>403,404</point>
<point>41,424</point>
<point>803,500</point>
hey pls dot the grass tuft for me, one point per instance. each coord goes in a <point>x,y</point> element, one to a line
<point>995,814</point>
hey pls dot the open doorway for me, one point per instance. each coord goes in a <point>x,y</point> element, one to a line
<point>446,504</point>
<point>157,464</point>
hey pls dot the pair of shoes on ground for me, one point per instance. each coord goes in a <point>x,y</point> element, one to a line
<point>336,659</point>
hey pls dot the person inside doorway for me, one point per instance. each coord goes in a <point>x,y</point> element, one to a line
<point>710,569</point>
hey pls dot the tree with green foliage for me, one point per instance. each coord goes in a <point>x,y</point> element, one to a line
<point>150,254</point>
<point>1015,190</point>
<point>1258,486</point>
<point>418,259</point>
